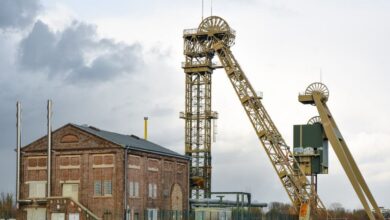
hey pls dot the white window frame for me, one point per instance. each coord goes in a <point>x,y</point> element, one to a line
<point>152,214</point>
<point>152,190</point>
<point>133,189</point>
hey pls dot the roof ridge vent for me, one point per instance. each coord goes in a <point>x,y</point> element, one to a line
<point>135,136</point>
<point>94,128</point>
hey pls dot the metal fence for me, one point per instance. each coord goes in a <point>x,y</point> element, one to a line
<point>192,215</point>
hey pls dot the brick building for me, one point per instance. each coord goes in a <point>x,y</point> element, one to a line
<point>97,174</point>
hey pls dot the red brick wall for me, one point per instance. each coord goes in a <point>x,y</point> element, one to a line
<point>73,161</point>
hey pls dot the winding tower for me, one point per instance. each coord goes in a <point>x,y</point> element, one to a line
<point>317,94</point>
<point>214,37</point>
<point>198,114</point>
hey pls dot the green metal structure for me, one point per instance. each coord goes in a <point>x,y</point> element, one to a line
<point>311,148</point>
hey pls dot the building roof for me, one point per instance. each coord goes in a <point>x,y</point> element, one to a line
<point>130,141</point>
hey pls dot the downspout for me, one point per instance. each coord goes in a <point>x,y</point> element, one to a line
<point>18,146</point>
<point>189,187</point>
<point>125,164</point>
<point>49,114</point>
<point>18,154</point>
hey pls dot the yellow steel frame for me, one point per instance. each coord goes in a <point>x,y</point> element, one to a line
<point>319,97</point>
<point>214,36</point>
<point>198,115</point>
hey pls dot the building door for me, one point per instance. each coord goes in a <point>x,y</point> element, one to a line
<point>71,190</point>
<point>74,216</point>
<point>57,216</point>
<point>36,214</point>
<point>176,198</point>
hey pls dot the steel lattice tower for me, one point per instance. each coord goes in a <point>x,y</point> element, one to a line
<point>214,37</point>
<point>198,115</point>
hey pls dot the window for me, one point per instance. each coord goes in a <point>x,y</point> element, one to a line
<point>69,167</point>
<point>103,188</point>
<point>134,162</point>
<point>70,190</point>
<point>181,168</point>
<point>57,216</point>
<point>133,189</point>
<point>98,188</point>
<point>107,187</point>
<point>152,214</point>
<point>36,213</point>
<point>103,160</point>
<point>153,165</point>
<point>37,189</point>
<point>36,163</point>
<point>136,216</point>
<point>74,216</point>
<point>152,190</point>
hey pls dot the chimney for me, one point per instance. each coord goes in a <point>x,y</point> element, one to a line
<point>146,128</point>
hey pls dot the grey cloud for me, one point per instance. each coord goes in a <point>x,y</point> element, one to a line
<point>18,13</point>
<point>76,54</point>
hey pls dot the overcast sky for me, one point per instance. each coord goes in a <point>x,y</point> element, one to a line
<point>110,63</point>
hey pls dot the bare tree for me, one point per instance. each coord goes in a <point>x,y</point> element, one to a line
<point>7,206</point>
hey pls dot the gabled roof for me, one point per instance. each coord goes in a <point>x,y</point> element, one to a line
<point>130,141</point>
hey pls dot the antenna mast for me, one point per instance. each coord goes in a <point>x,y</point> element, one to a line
<point>211,7</point>
<point>202,8</point>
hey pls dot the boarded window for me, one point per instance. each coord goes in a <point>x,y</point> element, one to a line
<point>168,166</point>
<point>180,168</point>
<point>97,160</point>
<point>153,165</point>
<point>42,162</point>
<point>57,216</point>
<point>64,161</point>
<point>134,162</point>
<point>37,189</point>
<point>108,159</point>
<point>32,162</point>
<point>69,138</point>
<point>36,213</point>
<point>67,162</point>
<point>70,190</point>
<point>36,163</point>
<point>75,161</point>
<point>69,167</point>
<point>103,160</point>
